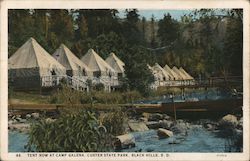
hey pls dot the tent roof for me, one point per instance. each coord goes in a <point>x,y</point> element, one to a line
<point>32,55</point>
<point>115,63</point>
<point>184,72</point>
<point>64,56</point>
<point>176,70</point>
<point>95,62</point>
<point>149,67</point>
<point>165,73</point>
<point>173,73</point>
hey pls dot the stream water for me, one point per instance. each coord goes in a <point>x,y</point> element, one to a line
<point>210,94</point>
<point>197,140</point>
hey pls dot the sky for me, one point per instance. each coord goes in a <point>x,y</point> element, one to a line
<point>158,14</point>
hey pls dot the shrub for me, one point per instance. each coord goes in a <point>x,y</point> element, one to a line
<point>131,96</point>
<point>104,97</point>
<point>115,122</point>
<point>98,87</point>
<point>66,95</point>
<point>72,132</point>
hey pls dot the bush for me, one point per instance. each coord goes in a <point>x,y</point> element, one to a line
<point>98,87</point>
<point>72,132</point>
<point>104,97</point>
<point>131,96</point>
<point>115,122</point>
<point>66,95</point>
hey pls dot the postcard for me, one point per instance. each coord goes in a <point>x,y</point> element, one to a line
<point>124,80</point>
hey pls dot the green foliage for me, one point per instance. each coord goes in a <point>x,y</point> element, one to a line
<point>203,42</point>
<point>99,87</point>
<point>131,96</point>
<point>68,96</point>
<point>137,72</point>
<point>168,30</point>
<point>115,122</point>
<point>71,132</point>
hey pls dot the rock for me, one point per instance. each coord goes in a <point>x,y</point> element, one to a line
<point>179,128</point>
<point>22,127</point>
<point>28,116</point>
<point>155,117</point>
<point>164,133</point>
<point>154,124</point>
<point>240,123</point>
<point>228,120</point>
<point>149,149</point>
<point>145,114</point>
<point>144,119</point>
<point>50,120</point>
<point>21,120</point>
<point>166,124</point>
<point>124,141</point>
<point>166,117</point>
<point>209,127</point>
<point>35,115</point>
<point>195,126</point>
<point>137,126</point>
<point>179,121</point>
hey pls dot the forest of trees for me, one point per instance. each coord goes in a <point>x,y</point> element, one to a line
<point>205,42</point>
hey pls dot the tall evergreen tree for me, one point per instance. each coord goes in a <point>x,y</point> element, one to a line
<point>61,30</point>
<point>152,29</point>
<point>168,30</point>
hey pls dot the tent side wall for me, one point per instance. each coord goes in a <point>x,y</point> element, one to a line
<point>24,78</point>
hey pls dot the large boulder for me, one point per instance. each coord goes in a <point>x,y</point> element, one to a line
<point>164,133</point>
<point>137,126</point>
<point>166,124</point>
<point>228,120</point>
<point>154,124</point>
<point>124,141</point>
<point>159,124</point>
<point>154,116</point>
<point>180,128</point>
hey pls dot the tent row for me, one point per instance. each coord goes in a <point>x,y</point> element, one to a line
<point>31,67</point>
<point>165,76</point>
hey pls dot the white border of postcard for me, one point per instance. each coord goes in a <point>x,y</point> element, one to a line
<point>77,4</point>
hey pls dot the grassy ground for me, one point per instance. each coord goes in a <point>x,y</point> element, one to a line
<point>28,98</point>
<point>101,97</point>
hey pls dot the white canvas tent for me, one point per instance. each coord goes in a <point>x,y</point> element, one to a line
<point>181,75</point>
<point>185,73</point>
<point>97,64</point>
<point>31,62</point>
<point>74,66</point>
<point>102,72</point>
<point>164,76</point>
<point>171,72</point>
<point>116,64</point>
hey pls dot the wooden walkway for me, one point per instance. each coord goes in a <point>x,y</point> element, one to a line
<point>222,105</point>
